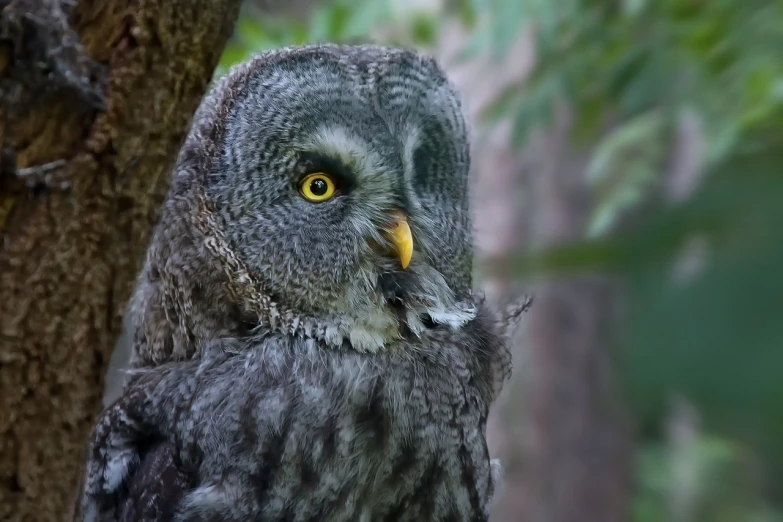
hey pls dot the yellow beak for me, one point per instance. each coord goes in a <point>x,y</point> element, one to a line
<point>400,235</point>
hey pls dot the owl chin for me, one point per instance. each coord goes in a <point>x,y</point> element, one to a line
<point>385,326</point>
<point>380,309</point>
<point>412,302</point>
<point>397,299</point>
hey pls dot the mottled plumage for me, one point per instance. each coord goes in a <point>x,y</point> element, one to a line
<point>287,366</point>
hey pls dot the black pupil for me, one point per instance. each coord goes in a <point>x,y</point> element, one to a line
<point>318,187</point>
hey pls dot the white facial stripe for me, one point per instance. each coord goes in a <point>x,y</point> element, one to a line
<point>338,143</point>
<point>409,144</point>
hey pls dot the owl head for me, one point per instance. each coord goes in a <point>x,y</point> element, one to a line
<point>322,192</point>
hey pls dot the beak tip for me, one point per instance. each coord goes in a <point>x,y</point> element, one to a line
<point>405,258</point>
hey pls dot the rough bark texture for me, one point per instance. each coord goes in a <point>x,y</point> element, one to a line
<point>100,93</point>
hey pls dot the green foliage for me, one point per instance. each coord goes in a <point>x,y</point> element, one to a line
<point>636,55</point>
<point>624,165</point>
<point>625,60</point>
<point>715,477</point>
<point>715,336</point>
<point>339,21</point>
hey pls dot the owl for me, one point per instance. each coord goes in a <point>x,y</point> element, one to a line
<point>307,342</point>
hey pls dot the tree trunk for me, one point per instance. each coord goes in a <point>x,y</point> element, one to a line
<point>578,450</point>
<point>95,98</point>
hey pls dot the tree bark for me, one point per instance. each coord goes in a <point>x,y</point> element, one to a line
<point>95,98</point>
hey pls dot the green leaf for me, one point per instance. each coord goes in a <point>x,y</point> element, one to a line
<point>632,8</point>
<point>232,54</point>
<point>364,17</point>
<point>622,167</point>
<point>250,32</point>
<point>424,29</point>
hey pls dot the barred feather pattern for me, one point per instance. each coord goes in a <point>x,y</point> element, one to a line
<point>285,429</point>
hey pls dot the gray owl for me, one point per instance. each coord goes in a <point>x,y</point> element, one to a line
<point>307,344</point>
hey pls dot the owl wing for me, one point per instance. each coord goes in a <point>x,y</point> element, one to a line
<point>130,472</point>
<point>155,488</point>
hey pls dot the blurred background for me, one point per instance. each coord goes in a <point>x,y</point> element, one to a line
<point>627,159</point>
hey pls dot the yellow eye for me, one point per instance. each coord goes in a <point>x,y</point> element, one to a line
<point>317,187</point>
